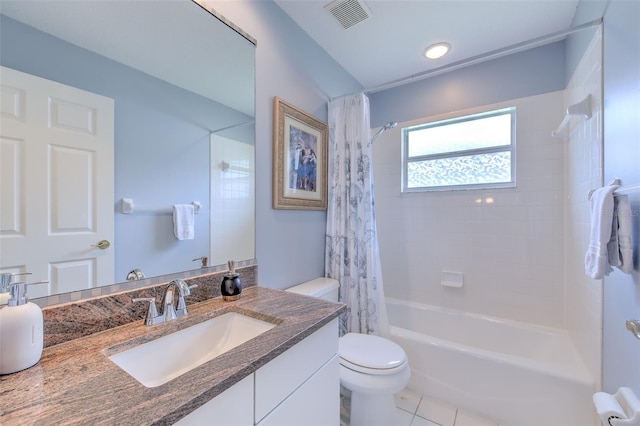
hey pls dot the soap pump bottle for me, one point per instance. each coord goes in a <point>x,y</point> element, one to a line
<point>5,282</point>
<point>21,331</point>
<point>231,286</point>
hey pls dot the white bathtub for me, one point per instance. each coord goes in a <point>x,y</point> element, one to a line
<point>516,373</point>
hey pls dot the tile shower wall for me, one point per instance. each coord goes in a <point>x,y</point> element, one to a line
<point>232,200</point>
<point>584,172</point>
<point>508,243</point>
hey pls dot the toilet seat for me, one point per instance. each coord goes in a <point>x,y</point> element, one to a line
<point>371,354</point>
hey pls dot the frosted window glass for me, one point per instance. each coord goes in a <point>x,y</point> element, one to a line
<point>467,170</point>
<point>470,151</point>
<point>461,136</point>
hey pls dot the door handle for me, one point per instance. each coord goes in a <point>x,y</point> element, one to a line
<point>102,244</point>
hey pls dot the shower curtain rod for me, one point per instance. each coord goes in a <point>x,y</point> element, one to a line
<point>494,54</point>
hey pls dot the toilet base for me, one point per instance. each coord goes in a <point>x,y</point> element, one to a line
<point>372,402</point>
<point>372,410</point>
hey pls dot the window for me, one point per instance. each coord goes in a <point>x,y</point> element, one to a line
<point>474,151</point>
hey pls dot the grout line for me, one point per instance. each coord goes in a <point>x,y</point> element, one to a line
<point>455,416</point>
<point>415,411</point>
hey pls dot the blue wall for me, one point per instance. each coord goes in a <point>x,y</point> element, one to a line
<point>161,144</point>
<point>291,66</point>
<point>622,160</point>
<point>532,72</point>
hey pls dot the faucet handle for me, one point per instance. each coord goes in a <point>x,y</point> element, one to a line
<point>185,290</point>
<point>183,287</point>
<point>152,316</point>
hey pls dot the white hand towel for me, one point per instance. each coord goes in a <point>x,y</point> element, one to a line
<point>625,249</point>
<point>183,220</point>
<point>596,259</point>
<point>613,247</point>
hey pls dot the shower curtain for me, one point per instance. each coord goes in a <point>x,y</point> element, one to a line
<point>351,253</point>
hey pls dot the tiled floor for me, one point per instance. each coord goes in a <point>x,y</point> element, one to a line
<point>417,410</point>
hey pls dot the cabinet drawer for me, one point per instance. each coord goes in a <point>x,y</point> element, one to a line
<point>275,381</point>
<point>315,403</point>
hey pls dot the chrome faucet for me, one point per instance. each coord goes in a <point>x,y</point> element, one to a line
<point>152,317</point>
<point>135,274</point>
<point>169,310</point>
<point>203,261</point>
<point>168,304</point>
<point>184,290</point>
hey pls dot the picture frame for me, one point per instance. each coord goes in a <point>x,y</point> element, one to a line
<point>299,159</point>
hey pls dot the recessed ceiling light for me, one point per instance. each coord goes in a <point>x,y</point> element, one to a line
<point>437,50</point>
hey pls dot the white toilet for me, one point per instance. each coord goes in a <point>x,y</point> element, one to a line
<point>371,367</point>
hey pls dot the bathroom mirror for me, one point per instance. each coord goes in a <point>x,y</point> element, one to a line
<point>181,82</point>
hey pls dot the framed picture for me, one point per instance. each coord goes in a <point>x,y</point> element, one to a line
<point>299,159</point>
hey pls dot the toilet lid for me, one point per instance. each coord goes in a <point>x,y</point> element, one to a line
<point>368,352</point>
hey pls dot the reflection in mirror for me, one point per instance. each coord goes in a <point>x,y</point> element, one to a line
<point>168,91</point>
<point>232,193</point>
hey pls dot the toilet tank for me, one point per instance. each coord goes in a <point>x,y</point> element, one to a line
<point>324,288</point>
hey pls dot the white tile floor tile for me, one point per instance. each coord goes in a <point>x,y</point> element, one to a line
<point>419,421</point>
<point>464,418</point>
<point>408,400</point>
<point>437,411</point>
<point>404,418</point>
<point>414,409</point>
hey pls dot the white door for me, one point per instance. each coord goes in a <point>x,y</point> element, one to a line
<point>56,183</point>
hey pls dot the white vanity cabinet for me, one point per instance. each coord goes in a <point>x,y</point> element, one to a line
<point>299,387</point>
<point>302,385</point>
<point>315,403</point>
<point>233,407</point>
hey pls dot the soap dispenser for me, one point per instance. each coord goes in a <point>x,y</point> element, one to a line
<point>5,282</point>
<point>21,331</point>
<point>231,286</point>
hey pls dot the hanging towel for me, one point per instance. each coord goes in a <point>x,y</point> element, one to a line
<point>613,247</point>
<point>183,221</point>
<point>623,233</point>
<point>596,262</point>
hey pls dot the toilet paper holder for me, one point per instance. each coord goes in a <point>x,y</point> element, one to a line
<point>619,409</point>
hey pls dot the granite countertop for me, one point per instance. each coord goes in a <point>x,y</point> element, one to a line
<point>75,382</point>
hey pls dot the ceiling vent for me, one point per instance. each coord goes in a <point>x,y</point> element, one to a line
<point>348,12</point>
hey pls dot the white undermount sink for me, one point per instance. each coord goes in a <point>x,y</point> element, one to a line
<point>159,361</point>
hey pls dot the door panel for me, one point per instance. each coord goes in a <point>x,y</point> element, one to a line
<point>72,205</point>
<point>57,183</point>
<point>11,187</point>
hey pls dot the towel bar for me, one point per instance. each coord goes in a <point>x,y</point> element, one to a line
<point>128,208</point>
<point>623,190</point>
<point>627,189</point>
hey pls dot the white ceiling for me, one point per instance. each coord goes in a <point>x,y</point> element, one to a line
<point>389,45</point>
